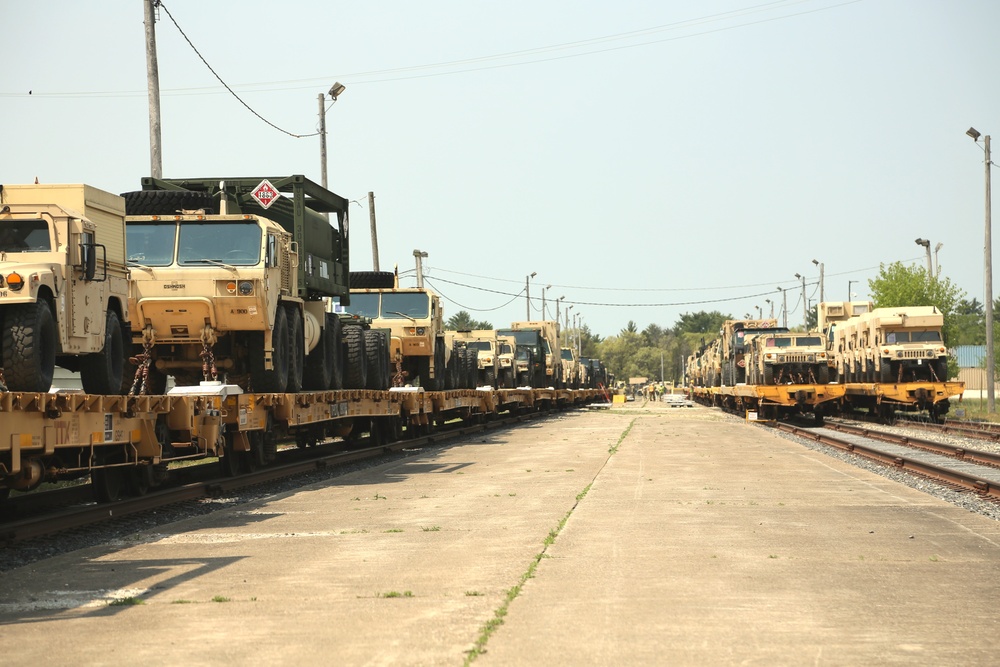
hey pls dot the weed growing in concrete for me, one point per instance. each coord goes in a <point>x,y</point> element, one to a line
<point>512,494</point>
<point>431,529</point>
<point>773,556</point>
<point>394,530</point>
<point>378,497</point>
<point>397,594</point>
<point>570,470</point>
<point>624,434</point>
<point>125,602</point>
<point>220,598</point>
<point>181,602</point>
<point>934,559</point>
<point>473,594</point>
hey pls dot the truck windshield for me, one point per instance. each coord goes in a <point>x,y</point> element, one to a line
<point>24,236</point>
<point>925,336</point>
<point>404,305</point>
<point>522,337</point>
<point>566,355</point>
<point>482,345</point>
<point>235,243</point>
<point>805,341</point>
<point>365,305</point>
<point>150,244</point>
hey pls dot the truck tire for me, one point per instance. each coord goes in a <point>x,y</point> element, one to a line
<point>101,373</point>
<point>768,374</point>
<point>167,202</point>
<point>296,350</point>
<point>473,374</point>
<point>372,279</point>
<point>355,368</point>
<point>885,373</point>
<point>823,374</point>
<point>506,379</point>
<point>941,369</point>
<point>440,371</point>
<point>375,360</point>
<point>323,366</point>
<point>276,380</point>
<point>29,347</point>
<point>489,377</point>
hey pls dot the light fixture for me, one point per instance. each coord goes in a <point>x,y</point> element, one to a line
<point>974,133</point>
<point>336,90</point>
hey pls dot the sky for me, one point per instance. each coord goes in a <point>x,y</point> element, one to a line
<point>644,158</point>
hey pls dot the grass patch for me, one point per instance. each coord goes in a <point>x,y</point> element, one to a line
<point>473,594</point>
<point>182,602</point>
<point>126,602</point>
<point>431,529</point>
<point>614,448</point>
<point>397,594</point>
<point>221,598</point>
<point>394,530</point>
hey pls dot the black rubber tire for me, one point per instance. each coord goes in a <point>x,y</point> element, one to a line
<point>489,377</point>
<point>167,202</point>
<point>372,279</point>
<point>473,375</point>
<point>375,360</point>
<point>229,462</point>
<point>823,374</point>
<point>323,363</point>
<point>941,369</point>
<point>101,372</point>
<point>296,350</point>
<point>337,343</point>
<point>108,484</point>
<point>29,347</point>
<point>768,374</point>
<point>355,366</point>
<point>440,370</point>
<point>276,380</point>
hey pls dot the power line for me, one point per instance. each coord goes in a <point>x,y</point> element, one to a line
<point>226,85</point>
<point>410,72</point>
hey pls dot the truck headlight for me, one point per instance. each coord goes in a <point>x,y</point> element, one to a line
<point>246,288</point>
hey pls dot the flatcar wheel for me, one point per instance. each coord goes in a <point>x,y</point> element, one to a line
<point>229,462</point>
<point>138,480</point>
<point>107,484</point>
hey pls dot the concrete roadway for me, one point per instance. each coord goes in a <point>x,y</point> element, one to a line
<point>697,540</point>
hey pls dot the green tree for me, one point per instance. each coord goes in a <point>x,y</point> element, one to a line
<point>970,323</point>
<point>462,321</point>
<point>901,285</point>
<point>701,322</point>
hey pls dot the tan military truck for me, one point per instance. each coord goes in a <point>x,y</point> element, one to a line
<point>833,314</point>
<point>735,336</point>
<point>895,345</point>
<point>232,279</point>
<point>570,368</point>
<point>506,363</point>
<point>484,341</point>
<point>549,330</point>
<point>420,350</point>
<point>63,286</point>
<point>787,358</point>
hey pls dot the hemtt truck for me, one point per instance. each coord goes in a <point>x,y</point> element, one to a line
<point>233,276</point>
<point>63,286</point>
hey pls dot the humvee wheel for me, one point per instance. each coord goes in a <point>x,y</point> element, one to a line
<point>437,384</point>
<point>101,373</point>
<point>376,361</point>
<point>29,347</point>
<point>322,369</point>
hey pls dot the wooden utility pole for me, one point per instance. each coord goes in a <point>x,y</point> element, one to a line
<point>371,217</point>
<point>153,84</point>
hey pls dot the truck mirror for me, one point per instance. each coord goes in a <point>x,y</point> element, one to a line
<point>89,261</point>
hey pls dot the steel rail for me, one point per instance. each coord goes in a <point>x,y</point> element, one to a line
<point>954,451</point>
<point>953,477</point>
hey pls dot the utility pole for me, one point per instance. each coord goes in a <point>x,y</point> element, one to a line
<point>371,218</point>
<point>153,85</point>
<point>527,296</point>
<point>990,379</point>
<point>805,304</point>
<point>821,295</point>
<point>419,256</point>
<point>322,139</point>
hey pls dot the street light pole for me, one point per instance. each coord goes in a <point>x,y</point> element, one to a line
<point>822,297</point>
<point>527,296</point>
<point>772,307</point>
<point>927,246</point>
<point>988,270</point>
<point>335,90</point>
<point>544,289</point>
<point>805,304</point>
<point>784,307</point>
<point>937,262</point>
<point>850,297</point>
<point>418,255</point>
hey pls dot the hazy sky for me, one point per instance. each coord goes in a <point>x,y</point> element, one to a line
<point>644,158</point>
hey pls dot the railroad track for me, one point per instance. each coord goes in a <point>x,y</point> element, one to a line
<point>75,516</point>
<point>955,466</point>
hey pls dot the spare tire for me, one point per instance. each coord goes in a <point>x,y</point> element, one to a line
<point>372,280</point>
<point>168,202</point>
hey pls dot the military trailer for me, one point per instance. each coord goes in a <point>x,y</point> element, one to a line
<point>232,277</point>
<point>63,286</point>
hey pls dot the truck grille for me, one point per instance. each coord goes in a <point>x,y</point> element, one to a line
<point>797,358</point>
<point>914,354</point>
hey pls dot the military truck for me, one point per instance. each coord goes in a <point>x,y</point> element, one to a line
<point>529,356</point>
<point>484,342</point>
<point>735,336</point>
<point>233,277</point>
<point>419,349</point>
<point>787,358</point>
<point>570,367</point>
<point>894,345</point>
<point>505,362</point>
<point>63,286</point>
<point>830,315</point>
<point>549,330</point>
